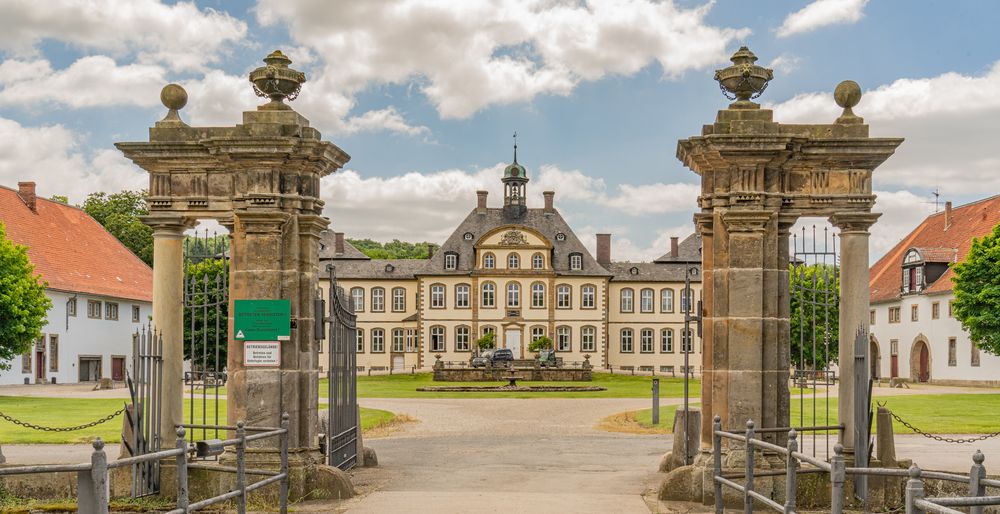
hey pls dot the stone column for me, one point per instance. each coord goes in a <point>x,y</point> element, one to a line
<point>854,306</point>
<point>168,313</point>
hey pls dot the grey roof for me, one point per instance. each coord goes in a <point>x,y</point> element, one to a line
<point>401,269</point>
<point>652,271</point>
<point>328,246</point>
<point>689,250</point>
<point>548,223</point>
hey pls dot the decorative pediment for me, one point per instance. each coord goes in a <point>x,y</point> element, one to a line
<point>513,238</point>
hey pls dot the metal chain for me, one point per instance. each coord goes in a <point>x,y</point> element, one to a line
<point>33,426</point>
<point>942,438</point>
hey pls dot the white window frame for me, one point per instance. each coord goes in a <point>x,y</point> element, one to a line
<point>397,340</point>
<point>437,296</point>
<point>462,295</point>
<point>398,299</point>
<point>360,341</point>
<point>378,340</point>
<point>564,342</point>
<point>111,311</point>
<point>588,297</point>
<point>588,339</point>
<point>537,261</point>
<point>646,340</point>
<point>513,261</point>
<point>564,296</point>
<point>489,261</point>
<point>358,297</point>
<point>537,295</point>
<point>451,261</point>
<point>513,295</point>
<point>489,296</point>
<point>411,340</point>
<point>626,335</point>
<point>575,261</point>
<point>646,297</point>
<point>378,299</point>
<point>438,343</point>
<point>667,340</point>
<point>627,303</point>
<point>666,300</point>
<point>462,337</point>
<point>537,332</point>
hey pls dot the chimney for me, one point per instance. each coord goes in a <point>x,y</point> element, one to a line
<point>26,190</point>
<point>674,248</point>
<point>549,195</point>
<point>481,205</point>
<point>338,245</point>
<point>604,249</point>
<point>947,215</point>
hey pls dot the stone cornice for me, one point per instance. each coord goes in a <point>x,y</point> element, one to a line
<point>854,222</point>
<point>747,221</point>
<point>167,226</point>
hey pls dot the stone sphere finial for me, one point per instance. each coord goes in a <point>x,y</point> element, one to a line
<point>174,98</point>
<point>744,80</point>
<point>847,95</point>
<point>978,457</point>
<point>277,81</point>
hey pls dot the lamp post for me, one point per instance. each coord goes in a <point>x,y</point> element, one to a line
<point>686,343</point>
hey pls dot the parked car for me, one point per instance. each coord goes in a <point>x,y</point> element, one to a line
<point>497,357</point>
<point>482,359</point>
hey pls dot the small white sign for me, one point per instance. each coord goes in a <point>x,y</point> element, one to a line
<point>261,354</point>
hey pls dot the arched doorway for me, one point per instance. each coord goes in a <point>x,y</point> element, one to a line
<point>875,357</point>
<point>920,360</point>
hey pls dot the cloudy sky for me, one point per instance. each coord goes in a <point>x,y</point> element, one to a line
<point>425,95</point>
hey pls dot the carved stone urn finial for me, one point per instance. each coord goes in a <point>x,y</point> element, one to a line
<point>277,81</point>
<point>744,80</point>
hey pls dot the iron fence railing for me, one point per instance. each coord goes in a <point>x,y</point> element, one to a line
<point>915,500</point>
<point>93,494</point>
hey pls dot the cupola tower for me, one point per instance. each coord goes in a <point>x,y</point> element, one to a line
<point>515,180</point>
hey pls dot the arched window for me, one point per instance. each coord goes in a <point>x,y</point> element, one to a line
<point>563,343</point>
<point>627,300</point>
<point>538,295</point>
<point>398,299</point>
<point>646,300</point>
<point>450,261</point>
<point>687,295</point>
<point>666,300</point>
<point>576,261</point>
<point>489,329</point>
<point>358,295</point>
<point>378,340</point>
<point>588,339</point>
<point>513,261</point>
<point>397,340</point>
<point>462,296</point>
<point>461,338</point>
<point>646,340</point>
<point>361,340</point>
<point>378,299</point>
<point>667,340</point>
<point>537,332</point>
<point>537,261</point>
<point>437,338</point>
<point>626,340</point>
<point>564,296</point>
<point>489,296</point>
<point>437,296</point>
<point>588,296</point>
<point>513,294</point>
<point>489,260</point>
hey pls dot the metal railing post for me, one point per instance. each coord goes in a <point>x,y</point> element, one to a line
<point>914,491</point>
<point>976,476</point>
<point>656,404</point>
<point>747,499</point>
<point>838,475</point>
<point>791,467</point>
<point>241,479</point>
<point>717,462</point>
<point>182,471</point>
<point>283,495</point>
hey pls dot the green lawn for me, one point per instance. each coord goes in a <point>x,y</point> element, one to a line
<point>617,385</point>
<point>60,412</point>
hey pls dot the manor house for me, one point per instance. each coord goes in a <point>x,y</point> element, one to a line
<point>520,273</point>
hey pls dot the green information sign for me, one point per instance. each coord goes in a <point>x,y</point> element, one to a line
<point>262,320</point>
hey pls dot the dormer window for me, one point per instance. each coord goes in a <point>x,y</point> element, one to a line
<point>913,273</point>
<point>489,261</point>
<point>451,261</point>
<point>537,261</point>
<point>575,261</point>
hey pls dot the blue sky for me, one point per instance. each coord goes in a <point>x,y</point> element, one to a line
<point>425,95</point>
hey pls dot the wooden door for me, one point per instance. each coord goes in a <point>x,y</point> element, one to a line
<point>895,366</point>
<point>40,366</point>
<point>118,369</point>
<point>925,372</point>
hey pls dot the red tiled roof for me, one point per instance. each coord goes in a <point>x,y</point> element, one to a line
<point>72,252</point>
<point>937,244</point>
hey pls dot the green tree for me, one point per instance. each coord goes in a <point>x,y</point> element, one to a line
<point>815,316</point>
<point>487,342</point>
<point>60,199</point>
<point>119,213</point>
<point>395,249</point>
<point>206,330</point>
<point>539,344</point>
<point>23,304</point>
<point>977,292</point>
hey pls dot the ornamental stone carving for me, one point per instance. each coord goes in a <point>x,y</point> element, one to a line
<point>514,238</point>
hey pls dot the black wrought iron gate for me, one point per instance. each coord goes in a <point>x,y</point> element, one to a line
<point>342,424</point>
<point>143,417</point>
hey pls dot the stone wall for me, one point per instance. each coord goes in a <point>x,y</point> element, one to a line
<point>497,375</point>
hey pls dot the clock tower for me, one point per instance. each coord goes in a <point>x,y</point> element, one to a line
<point>515,180</point>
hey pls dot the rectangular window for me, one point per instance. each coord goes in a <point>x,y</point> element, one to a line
<point>537,333</point>
<point>489,296</point>
<point>437,339</point>
<point>450,261</point>
<point>378,340</point>
<point>935,310</point>
<point>513,295</point>
<point>894,347</point>
<point>488,329</point>
<point>952,352</point>
<point>398,299</point>
<point>71,307</point>
<point>920,278</point>
<point>626,340</point>
<point>894,314</point>
<point>135,314</point>
<point>871,317</point>
<point>54,353</point>
<point>646,340</point>
<point>588,297</point>
<point>666,300</point>
<point>411,340</point>
<point>575,262</point>
<point>914,313</point>
<point>537,296</point>
<point>462,296</point>
<point>361,340</point>
<point>667,341</point>
<point>687,295</point>
<point>94,309</point>
<point>437,296</point>
<point>462,339</point>
<point>646,300</point>
<point>974,361</point>
<point>26,362</point>
<point>588,339</point>
<point>906,281</point>
<point>950,302</point>
<point>563,343</point>
<point>564,297</point>
<point>397,340</point>
<point>111,311</point>
<point>358,295</point>
<point>378,299</point>
<point>626,300</point>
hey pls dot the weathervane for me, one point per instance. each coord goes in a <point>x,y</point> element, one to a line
<point>515,146</point>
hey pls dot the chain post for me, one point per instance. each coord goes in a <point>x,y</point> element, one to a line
<point>241,479</point>
<point>791,467</point>
<point>976,475</point>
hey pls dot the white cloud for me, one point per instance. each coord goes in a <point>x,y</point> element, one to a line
<point>180,36</point>
<point>94,81</point>
<point>949,122</point>
<point>388,119</point>
<point>821,13</point>
<point>52,157</point>
<point>785,63</point>
<point>466,56</point>
<point>623,248</point>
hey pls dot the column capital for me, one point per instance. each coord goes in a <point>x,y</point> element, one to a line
<point>785,223</point>
<point>312,225</point>
<point>167,226</point>
<point>747,221</point>
<point>262,222</point>
<point>703,222</point>
<point>854,222</point>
